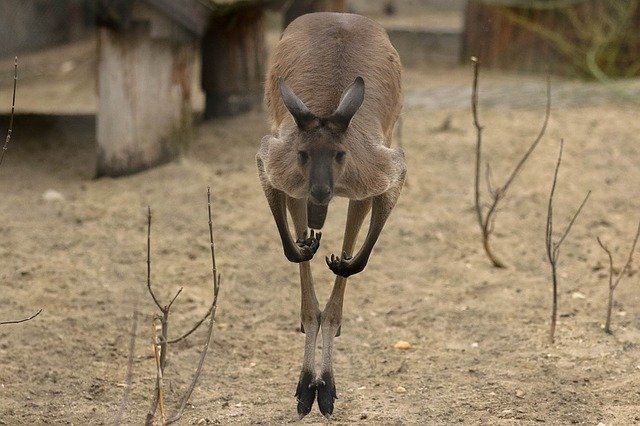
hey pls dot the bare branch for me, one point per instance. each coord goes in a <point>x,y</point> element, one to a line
<point>214,269</point>
<point>194,328</point>
<point>159,378</point>
<point>215,277</point>
<point>476,123</point>
<point>13,107</point>
<point>205,348</point>
<point>614,284</point>
<point>161,341</point>
<point>489,177</point>
<point>571,222</point>
<point>553,248</point>
<point>153,296</point>
<point>533,146</point>
<point>173,300</point>
<point>629,259</point>
<point>486,219</point>
<point>549,228</point>
<point>214,272</point>
<point>608,252</point>
<point>21,320</point>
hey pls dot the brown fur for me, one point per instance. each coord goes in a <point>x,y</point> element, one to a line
<point>318,58</point>
<point>320,54</point>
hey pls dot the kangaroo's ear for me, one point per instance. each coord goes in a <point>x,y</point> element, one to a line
<point>301,114</point>
<point>351,100</point>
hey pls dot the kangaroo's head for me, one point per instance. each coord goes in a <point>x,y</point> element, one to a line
<point>320,141</point>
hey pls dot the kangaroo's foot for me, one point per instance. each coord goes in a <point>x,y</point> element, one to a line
<point>326,394</point>
<point>305,393</point>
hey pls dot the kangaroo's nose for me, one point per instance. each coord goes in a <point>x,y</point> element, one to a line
<point>321,193</point>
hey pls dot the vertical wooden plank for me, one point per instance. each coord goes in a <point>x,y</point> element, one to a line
<point>300,7</point>
<point>144,106</point>
<point>233,62</point>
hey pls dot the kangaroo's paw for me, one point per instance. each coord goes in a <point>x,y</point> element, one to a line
<point>310,241</point>
<point>305,393</point>
<point>326,394</point>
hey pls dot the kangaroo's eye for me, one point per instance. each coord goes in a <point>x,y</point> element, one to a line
<point>340,156</point>
<point>303,157</point>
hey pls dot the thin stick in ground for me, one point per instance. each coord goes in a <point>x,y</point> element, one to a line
<point>212,314</point>
<point>215,276</point>
<point>13,107</point>
<point>21,320</point>
<point>4,149</point>
<point>161,332</point>
<point>486,214</point>
<point>553,248</point>
<point>613,284</point>
<point>161,340</point>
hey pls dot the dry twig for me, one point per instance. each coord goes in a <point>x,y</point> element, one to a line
<point>552,247</point>
<point>4,149</point>
<point>13,107</point>
<point>486,217</point>
<point>21,320</point>
<point>613,284</point>
<point>215,276</point>
<point>161,330</point>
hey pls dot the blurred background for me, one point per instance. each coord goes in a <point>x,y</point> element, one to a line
<point>186,56</point>
<point>108,88</point>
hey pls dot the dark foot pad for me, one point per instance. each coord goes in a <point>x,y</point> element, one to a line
<point>326,394</point>
<point>305,393</point>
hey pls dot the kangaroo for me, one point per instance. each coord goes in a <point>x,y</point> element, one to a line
<point>333,93</point>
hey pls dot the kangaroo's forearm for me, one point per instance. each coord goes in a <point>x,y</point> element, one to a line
<point>295,251</point>
<point>277,203</point>
<point>380,210</point>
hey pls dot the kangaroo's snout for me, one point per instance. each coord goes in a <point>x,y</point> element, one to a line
<point>321,194</point>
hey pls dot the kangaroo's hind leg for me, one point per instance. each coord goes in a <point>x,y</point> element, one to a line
<point>309,314</point>
<point>332,314</point>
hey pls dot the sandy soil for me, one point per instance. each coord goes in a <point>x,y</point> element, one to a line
<point>479,334</point>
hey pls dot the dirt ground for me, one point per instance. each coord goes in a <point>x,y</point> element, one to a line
<point>478,334</point>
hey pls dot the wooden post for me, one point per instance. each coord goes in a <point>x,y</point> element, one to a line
<point>144,115</point>
<point>233,61</point>
<point>591,38</point>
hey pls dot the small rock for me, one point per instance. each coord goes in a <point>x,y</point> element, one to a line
<point>401,389</point>
<point>403,345</point>
<point>67,67</point>
<point>578,295</point>
<point>520,393</point>
<point>475,345</point>
<point>621,313</point>
<point>52,195</point>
